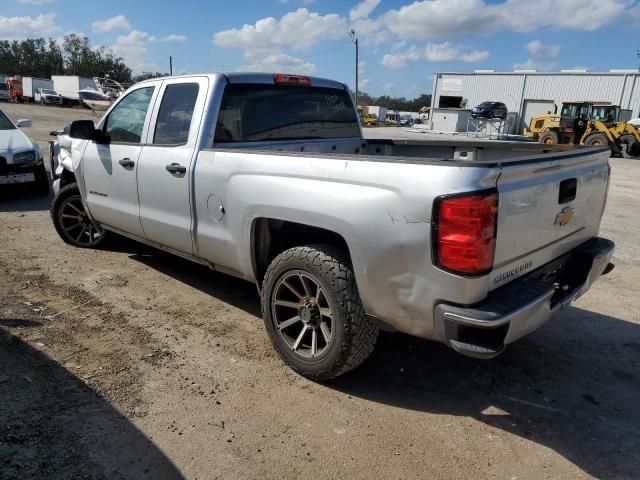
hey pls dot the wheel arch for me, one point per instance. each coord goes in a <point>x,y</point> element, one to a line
<point>270,237</point>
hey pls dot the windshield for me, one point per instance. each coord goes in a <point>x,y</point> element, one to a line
<point>485,104</point>
<point>258,112</point>
<point>5,123</point>
<point>4,86</point>
<point>49,92</point>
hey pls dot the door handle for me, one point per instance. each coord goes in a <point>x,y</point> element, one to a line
<point>126,162</point>
<point>176,168</point>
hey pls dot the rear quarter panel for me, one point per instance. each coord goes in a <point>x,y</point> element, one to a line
<point>382,209</point>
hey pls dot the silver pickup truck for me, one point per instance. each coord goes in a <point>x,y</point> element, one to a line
<point>267,177</point>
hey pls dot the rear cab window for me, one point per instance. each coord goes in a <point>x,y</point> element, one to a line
<point>254,112</point>
<point>176,111</point>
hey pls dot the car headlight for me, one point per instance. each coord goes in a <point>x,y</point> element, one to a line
<point>25,157</point>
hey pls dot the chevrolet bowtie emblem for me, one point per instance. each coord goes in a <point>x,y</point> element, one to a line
<point>564,217</point>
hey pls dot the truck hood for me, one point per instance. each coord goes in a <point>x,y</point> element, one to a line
<point>15,141</point>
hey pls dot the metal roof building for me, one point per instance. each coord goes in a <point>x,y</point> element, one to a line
<point>527,92</point>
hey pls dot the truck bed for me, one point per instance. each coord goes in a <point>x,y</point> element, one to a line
<point>485,153</point>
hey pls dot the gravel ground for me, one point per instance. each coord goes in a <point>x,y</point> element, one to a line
<point>129,363</point>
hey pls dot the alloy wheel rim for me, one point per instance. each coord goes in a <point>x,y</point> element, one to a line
<point>302,314</point>
<point>76,224</point>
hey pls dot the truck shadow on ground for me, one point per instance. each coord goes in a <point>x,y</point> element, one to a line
<point>18,198</point>
<point>573,387</point>
<point>52,425</point>
<point>232,290</point>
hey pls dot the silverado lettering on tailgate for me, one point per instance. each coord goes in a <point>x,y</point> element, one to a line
<point>505,275</point>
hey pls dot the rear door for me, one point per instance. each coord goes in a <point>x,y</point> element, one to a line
<point>110,168</point>
<point>164,174</point>
<point>547,208</point>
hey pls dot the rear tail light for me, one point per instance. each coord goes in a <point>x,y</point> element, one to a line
<point>281,78</point>
<point>464,232</point>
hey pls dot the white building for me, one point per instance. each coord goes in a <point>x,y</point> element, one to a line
<point>527,93</point>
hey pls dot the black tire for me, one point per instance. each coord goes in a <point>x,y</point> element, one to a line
<point>41,185</point>
<point>86,234</point>
<point>352,335</point>
<point>597,139</point>
<point>548,137</point>
<point>629,146</point>
<point>490,115</point>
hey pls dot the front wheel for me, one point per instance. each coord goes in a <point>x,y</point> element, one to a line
<point>548,137</point>
<point>313,313</point>
<point>71,220</point>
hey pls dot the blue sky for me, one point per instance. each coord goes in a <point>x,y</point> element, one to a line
<point>402,43</point>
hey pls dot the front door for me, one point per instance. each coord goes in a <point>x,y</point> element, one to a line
<point>110,167</point>
<point>164,171</point>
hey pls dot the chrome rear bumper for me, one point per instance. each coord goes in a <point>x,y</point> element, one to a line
<point>519,308</point>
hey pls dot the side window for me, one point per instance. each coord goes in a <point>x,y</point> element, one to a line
<point>126,120</point>
<point>174,117</point>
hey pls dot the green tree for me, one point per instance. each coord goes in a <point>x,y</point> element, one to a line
<point>37,57</point>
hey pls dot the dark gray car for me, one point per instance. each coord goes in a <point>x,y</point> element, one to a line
<point>490,110</point>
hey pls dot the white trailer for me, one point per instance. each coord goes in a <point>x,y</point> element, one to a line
<point>379,112</point>
<point>31,84</point>
<point>68,86</point>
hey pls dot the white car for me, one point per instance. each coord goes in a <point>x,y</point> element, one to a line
<point>20,156</point>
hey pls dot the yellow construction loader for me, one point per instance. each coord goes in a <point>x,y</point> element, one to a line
<point>587,123</point>
<point>541,123</point>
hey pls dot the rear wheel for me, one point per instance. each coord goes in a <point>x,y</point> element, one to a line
<point>548,138</point>
<point>71,220</point>
<point>629,146</point>
<point>313,313</point>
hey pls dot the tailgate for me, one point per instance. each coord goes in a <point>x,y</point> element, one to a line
<point>546,208</point>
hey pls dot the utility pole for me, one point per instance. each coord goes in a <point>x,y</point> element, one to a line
<point>170,65</point>
<point>354,39</point>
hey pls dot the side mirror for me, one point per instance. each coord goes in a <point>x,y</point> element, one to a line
<point>24,122</point>
<point>84,130</point>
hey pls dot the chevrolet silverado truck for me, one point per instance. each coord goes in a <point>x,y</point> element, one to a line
<point>267,177</point>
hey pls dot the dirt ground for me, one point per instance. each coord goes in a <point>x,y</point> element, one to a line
<point>127,363</point>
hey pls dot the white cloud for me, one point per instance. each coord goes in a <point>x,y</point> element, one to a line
<point>36,2</point>
<point>174,38</point>
<point>297,30</point>
<point>363,9</point>
<point>279,62</point>
<point>119,22</point>
<point>445,52</point>
<point>433,52</point>
<point>542,57</point>
<point>533,64</point>
<point>541,50</point>
<point>14,28</point>
<point>388,86</point>
<point>363,82</point>
<point>430,18</point>
<point>402,59</point>
<point>133,48</point>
